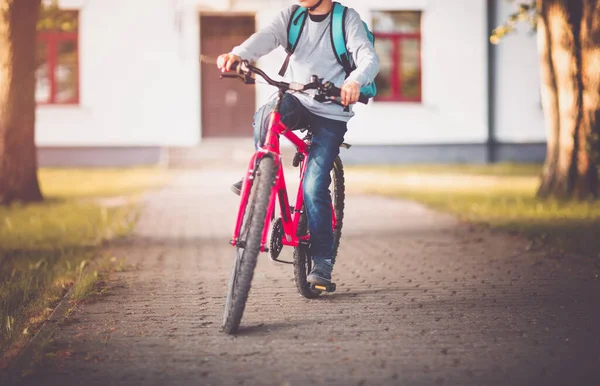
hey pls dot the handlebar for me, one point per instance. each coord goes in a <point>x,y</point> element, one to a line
<point>325,91</point>
<point>336,92</point>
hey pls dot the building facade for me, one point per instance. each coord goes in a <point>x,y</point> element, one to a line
<point>126,82</point>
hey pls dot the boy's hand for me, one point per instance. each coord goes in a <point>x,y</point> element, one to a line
<point>350,92</point>
<point>225,61</point>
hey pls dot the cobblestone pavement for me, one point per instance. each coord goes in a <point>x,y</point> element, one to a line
<point>422,300</point>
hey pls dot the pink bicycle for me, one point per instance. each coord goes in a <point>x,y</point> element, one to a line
<point>263,184</point>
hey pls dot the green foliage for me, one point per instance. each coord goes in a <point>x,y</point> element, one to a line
<point>526,12</point>
<point>53,18</point>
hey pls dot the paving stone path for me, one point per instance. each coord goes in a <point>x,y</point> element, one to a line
<point>422,300</point>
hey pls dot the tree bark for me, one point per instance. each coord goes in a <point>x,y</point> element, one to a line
<point>566,70</point>
<point>589,155</point>
<point>18,160</point>
<point>570,97</point>
<point>549,98</point>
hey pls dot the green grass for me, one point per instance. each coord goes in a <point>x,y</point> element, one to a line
<point>85,286</point>
<point>502,196</point>
<point>496,170</point>
<point>43,247</point>
<point>91,183</point>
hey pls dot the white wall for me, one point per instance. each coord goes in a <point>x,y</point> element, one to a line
<point>454,79</point>
<point>139,80</point>
<point>138,77</point>
<point>519,116</point>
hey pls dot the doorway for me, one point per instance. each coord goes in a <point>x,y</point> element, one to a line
<point>228,105</point>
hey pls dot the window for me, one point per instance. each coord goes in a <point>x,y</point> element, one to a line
<point>57,62</point>
<point>398,45</point>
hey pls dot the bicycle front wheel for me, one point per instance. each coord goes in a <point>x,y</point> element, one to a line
<point>248,245</point>
<point>302,259</point>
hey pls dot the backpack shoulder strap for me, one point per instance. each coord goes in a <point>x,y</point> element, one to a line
<point>338,37</point>
<point>295,27</point>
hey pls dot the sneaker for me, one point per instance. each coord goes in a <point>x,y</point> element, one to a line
<point>237,187</point>
<point>321,273</point>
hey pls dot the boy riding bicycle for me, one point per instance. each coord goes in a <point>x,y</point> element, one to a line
<point>313,54</point>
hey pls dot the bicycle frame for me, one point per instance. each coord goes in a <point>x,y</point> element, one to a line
<point>271,149</point>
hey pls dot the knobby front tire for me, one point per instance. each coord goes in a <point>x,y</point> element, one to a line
<point>338,195</point>
<point>250,235</point>
<point>302,258</point>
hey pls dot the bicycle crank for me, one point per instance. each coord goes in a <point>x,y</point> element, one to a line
<point>276,239</point>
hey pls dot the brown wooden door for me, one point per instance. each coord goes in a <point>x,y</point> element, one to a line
<point>228,105</point>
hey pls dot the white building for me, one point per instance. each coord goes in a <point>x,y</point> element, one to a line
<point>127,82</point>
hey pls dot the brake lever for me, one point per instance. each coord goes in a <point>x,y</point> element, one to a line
<point>311,86</point>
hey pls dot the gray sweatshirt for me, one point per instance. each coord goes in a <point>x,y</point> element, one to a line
<point>314,55</point>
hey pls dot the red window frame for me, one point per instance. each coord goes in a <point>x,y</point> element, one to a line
<point>53,40</point>
<point>396,80</point>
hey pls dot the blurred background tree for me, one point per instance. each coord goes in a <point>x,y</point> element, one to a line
<point>20,20</point>
<point>568,34</point>
<point>53,18</point>
<point>18,160</point>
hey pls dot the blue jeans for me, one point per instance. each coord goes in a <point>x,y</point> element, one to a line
<point>328,135</point>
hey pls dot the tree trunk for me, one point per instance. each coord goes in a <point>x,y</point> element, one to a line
<point>569,171</point>
<point>18,160</point>
<point>549,100</point>
<point>565,63</point>
<point>589,156</point>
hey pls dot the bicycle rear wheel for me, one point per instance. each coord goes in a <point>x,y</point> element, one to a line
<point>302,258</point>
<point>248,245</point>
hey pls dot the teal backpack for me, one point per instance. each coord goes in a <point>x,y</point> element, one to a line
<point>338,38</point>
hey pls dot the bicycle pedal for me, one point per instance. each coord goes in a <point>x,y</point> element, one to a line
<point>327,288</point>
